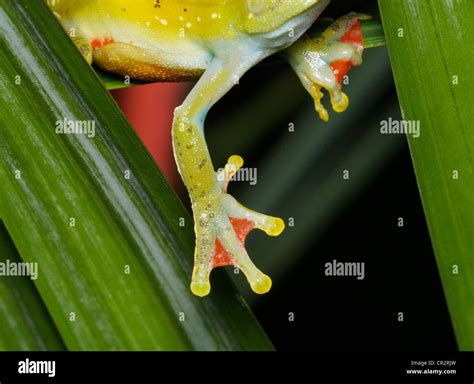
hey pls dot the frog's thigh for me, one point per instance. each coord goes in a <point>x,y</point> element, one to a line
<point>141,64</point>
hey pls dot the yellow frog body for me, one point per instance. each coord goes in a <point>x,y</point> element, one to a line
<point>215,41</point>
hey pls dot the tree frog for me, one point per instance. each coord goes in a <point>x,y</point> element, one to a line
<point>214,42</point>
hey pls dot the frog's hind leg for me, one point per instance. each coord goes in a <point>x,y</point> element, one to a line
<point>323,62</point>
<point>220,223</point>
<point>139,63</point>
<point>221,229</point>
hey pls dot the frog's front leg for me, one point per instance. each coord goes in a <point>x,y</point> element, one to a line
<point>323,62</point>
<point>220,222</point>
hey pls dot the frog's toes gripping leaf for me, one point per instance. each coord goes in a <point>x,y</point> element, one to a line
<point>323,62</point>
<point>222,225</point>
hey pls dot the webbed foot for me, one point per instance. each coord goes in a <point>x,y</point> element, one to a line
<point>221,226</point>
<point>323,62</point>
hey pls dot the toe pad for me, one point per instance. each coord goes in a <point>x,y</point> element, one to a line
<point>200,289</point>
<point>262,285</point>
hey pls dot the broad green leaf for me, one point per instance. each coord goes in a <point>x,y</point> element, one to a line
<point>25,322</point>
<point>430,44</point>
<point>95,212</point>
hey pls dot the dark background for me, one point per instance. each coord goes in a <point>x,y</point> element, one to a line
<point>343,314</point>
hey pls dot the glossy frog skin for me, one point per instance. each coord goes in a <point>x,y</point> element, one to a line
<point>215,41</point>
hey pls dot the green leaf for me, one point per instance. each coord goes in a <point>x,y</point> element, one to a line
<point>373,33</point>
<point>430,45</point>
<point>112,81</point>
<point>94,212</point>
<point>26,324</point>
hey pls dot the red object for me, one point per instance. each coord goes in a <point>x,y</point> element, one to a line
<point>340,68</point>
<point>149,109</point>
<point>98,43</point>
<point>354,36</point>
<point>242,228</point>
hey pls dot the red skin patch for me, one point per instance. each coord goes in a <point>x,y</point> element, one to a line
<point>353,36</point>
<point>98,43</point>
<point>340,68</point>
<point>242,228</point>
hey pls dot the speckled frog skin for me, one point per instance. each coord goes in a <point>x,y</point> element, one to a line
<point>214,42</point>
